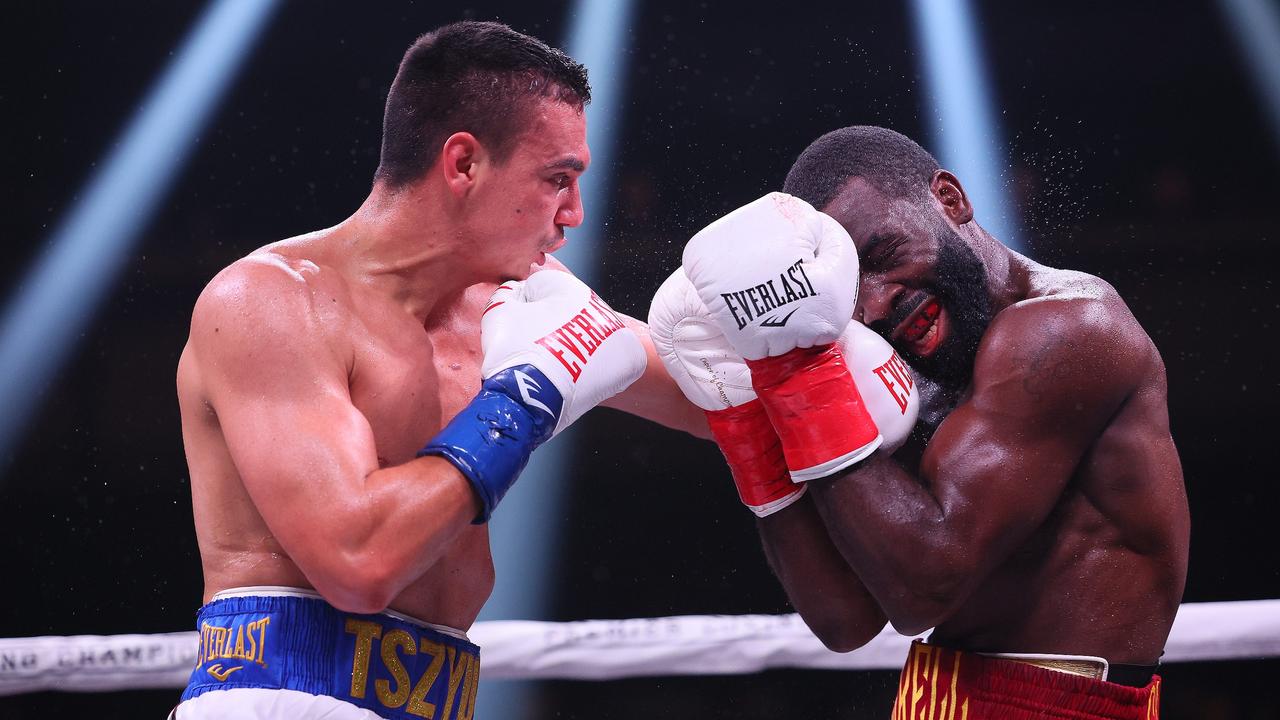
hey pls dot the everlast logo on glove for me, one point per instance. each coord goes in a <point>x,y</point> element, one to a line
<point>897,380</point>
<point>754,302</point>
<point>582,335</point>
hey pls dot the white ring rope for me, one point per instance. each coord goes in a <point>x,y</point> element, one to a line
<point>602,649</point>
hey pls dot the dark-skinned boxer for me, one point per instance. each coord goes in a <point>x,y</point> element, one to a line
<point>1043,531</point>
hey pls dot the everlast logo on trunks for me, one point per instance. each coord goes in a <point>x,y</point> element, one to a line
<point>897,380</point>
<point>242,641</point>
<point>582,336</point>
<point>790,286</point>
<point>457,671</point>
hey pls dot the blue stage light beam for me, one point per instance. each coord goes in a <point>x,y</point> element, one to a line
<point>1256,24</point>
<point>524,533</point>
<point>966,135</point>
<point>54,303</point>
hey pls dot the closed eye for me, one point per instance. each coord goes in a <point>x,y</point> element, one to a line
<point>880,250</point>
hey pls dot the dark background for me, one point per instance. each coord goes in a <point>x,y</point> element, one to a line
<point>1137,150</point>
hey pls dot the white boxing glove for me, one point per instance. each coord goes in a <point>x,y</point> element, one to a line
<point>885,382</point>
<point>780,280</point>
<point>555,323</point>
<point>552,351</point>
<point>776,275</point>
<point>715,378</point>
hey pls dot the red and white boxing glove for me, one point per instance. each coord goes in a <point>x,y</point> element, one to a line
<point>885,382</point>
<point>557,324</point>
<point>714,377</point>
<point>552,351</point>
<point>780,280</point>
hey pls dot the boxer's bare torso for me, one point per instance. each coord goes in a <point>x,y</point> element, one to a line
<point>1103,573</point>
<point>314,373</point>
<point>407,380</point>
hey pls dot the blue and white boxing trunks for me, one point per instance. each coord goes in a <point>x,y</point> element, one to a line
<point>271,652</point>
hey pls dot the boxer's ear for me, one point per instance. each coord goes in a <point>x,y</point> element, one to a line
<point>946,189</point>
<point>459,159</point>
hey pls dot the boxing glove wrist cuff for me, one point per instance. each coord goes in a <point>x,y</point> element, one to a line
<point>816,410</point>
<point>491,439</point>
<point>751,447</point>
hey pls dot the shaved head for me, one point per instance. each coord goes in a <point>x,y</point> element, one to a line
<point>892,162</point>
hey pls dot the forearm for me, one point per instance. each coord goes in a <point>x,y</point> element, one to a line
<point>822,587</point>
<point>393,529</point>
<point>898,537</point>
<point>656,397</point>
<point>663,405</point>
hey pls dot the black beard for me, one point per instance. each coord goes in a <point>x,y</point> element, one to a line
<point>961,287</point>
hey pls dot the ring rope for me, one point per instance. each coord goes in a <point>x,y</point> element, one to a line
<point>602,649</point>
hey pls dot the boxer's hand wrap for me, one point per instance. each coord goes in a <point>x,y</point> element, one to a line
<point>552,351</point>
<point>491,440</point>
<point>780,279</point>
<point>713,377</point>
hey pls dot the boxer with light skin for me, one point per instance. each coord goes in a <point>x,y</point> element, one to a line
<point>356,401</point>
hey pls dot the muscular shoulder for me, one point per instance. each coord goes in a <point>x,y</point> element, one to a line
<point>267,298</point>
<point>1077,341</point>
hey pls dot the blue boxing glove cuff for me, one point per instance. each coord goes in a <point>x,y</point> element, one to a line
<point>491,439</point>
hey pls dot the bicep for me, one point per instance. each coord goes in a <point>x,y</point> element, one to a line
<point>294,438</point>
<point>1000,462</point>
<point>997,476</point>
<point>280,394</point>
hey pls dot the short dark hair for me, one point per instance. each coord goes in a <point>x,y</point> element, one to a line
<point>892,162</point>
<point>476,77</point>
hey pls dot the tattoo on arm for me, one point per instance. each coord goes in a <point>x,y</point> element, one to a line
<point>1046,368</point>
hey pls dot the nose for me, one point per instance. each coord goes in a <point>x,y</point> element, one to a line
<point>874,300</point>
<point>571,213</point>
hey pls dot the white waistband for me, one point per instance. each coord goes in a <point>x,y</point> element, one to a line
<point>1035,658</point>
<point>283,591</point>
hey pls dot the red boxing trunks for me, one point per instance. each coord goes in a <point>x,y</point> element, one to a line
<point>942,684</point>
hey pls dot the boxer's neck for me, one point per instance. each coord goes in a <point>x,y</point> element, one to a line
<point>405,245</point>
<point>1008,273</point>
